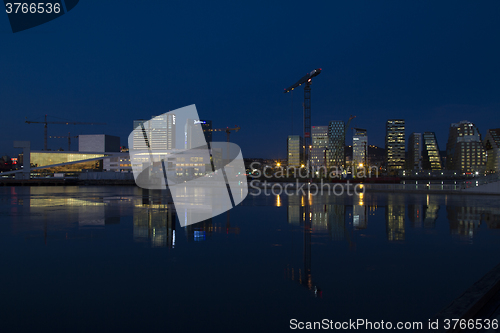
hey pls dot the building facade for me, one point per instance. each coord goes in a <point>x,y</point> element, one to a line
<point>360,147</point>
<point>98,143</point>
<point>492,145</point>
<point>415,151</point>
<point>395,145</point>
<point>465,151</point>
<point>431,157</point>
<point>160,132</point>
<point>295,151</point>
<point>319,145</point>
<point>171,131</point>
<point>206,125</point>
<point>193,131</point>
<point>336,144</point>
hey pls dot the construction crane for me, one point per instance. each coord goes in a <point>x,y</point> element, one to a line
<point>305,275</point>
<point>306,79</point>
<point>337,149</point>
<point>45,122</point>
<point>227,130</point>
<point>65,137</point>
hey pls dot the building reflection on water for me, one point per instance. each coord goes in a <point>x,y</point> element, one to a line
<point>395,213</point>
<point>339,218</point>
<point>312,220</point>
<point>155,222</point>
<point>154,219</point>
<point>466,220</point>
<point>423,215</point>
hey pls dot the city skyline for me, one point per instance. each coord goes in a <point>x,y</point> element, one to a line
<point>440,65</point>
<point>144,168</point>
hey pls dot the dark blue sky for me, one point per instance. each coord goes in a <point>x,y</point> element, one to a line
<point>431,63</point>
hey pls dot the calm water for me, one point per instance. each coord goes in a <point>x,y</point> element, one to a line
<point>115,259</point>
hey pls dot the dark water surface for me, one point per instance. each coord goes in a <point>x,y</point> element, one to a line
<point>115,259</point>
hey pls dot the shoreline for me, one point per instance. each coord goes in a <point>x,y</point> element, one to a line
<point>367,187</point>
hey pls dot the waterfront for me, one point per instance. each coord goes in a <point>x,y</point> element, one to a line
<point>114,258</point>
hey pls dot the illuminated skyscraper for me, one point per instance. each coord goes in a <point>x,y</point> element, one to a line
<point>465,151</point>
<point>139,142</point>
<point>192,133</point>
<point>159,131</point>
<point>359,147</point>
<point>295,151</point>
<point>171,131</point>
<point>431,158</point>
<point>415,151</point>
<point>319,145</point>
<point>492,146</point>
<point>336,144</point>
<point>395,145</point>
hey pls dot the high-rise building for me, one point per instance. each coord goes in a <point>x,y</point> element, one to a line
<point>492,146</point>
<point>465,151</point>
<point>171,131</point>
<point>395,145</point>
<point>359,147</point>
<point>431,157</point>
<point>160,133</point>
<point>295,149</point>
<point>319,145</point>
<point>415,151</point>
<point>139,142</point>
<point>192,133</point>
<point>206,125</point>
<point>336,144</point>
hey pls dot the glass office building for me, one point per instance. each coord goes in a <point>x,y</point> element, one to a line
<point>465,151</point>
<point>160,132</point>
<point>395,145</point>
<point>431,157</point>
<point>295,150</point>
<point>319,145</point>
<point>336,144</point>
<point>415,151</point>
<point>492,146</point>
<point>359,147</point>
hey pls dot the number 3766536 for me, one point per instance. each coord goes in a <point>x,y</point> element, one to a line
<point>33,8</point>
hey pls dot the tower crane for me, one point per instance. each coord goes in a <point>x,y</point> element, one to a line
<point>228,133</point>
<point>227,130</point>
<point>306,79</point>
<point>65,137</point>
<point>45,122</point>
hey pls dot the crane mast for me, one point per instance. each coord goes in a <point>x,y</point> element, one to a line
<point>307,119</point>
<point>307,80</point>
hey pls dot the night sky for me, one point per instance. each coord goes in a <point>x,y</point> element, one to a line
<point>431,63</point>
